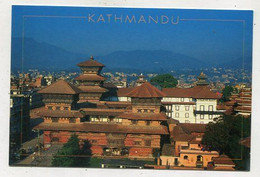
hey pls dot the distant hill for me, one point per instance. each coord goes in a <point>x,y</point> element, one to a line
<point>45,56</point>
<point>150,60</point>
<point>42,56</point>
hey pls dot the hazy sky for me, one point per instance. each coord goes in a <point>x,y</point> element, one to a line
<point>70,28</point>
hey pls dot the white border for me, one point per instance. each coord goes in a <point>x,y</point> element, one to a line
<point>5,43</point>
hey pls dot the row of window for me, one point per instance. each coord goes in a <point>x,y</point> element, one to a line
<point>177,115</point>
<point>56,120</point>
<point>187,108</point>
<point>134,122</point>
<point>57,108</point>
<point>145,110</point>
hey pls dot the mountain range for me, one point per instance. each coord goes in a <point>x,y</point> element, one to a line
<point>40,55</point>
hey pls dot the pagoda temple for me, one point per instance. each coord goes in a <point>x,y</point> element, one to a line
<point>90,81</point>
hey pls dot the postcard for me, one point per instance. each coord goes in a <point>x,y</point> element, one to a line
<point>131,88</point>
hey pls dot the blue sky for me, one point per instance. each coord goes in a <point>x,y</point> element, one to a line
<point>217,41</point>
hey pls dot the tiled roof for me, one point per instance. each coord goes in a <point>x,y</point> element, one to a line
<point>90,77</point>
<point>222,160</point>
<point>104,127</point>
<point>178,134</point>
<point>192,128</point>
<point>94,89</point>
<point>122,92</point>
<point>144,116</point>
<point>62,114</point>
<point>198,92</point>
<point>146,90</point>
<point>60,87</point>
<point>242,108</point>
<point>90,62</point>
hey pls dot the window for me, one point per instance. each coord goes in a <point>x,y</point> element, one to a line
<point>55,139</point>
<point>152,111</point>
<point>202,107</point>
<point>187,121</point>
<point>210,116</point>
<point>147,142</point>
<point>66,108</point>
<point>201,116</point>
<point>137,143</point>
<point>72,120</point>
<point>210,107</point>
<point>139,110</point>
<point>134,121</point>
<point>185,157</point>
<point>146,110</point>
<point>177,115</point>
<point>177,108</point>
<point>187,108</point>
<point>55,119</point>
<point>148,122</point>
<point>49,107</point>
<point>187,115</point>
<point>57,107</point>
<point>182,99</point>
<point>93,141</point>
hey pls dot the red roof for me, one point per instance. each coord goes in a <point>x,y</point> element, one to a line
<point>144,116</point>
<point>198,92</point>
<point>90,77</point>
<point>60,87</point>
<point>192,128</point>
<point>222,160</point>
<point>104,127</point>
<point>182,103</point>
<point>90,62</point>
<point>146,90</point>
<point>123,92</point>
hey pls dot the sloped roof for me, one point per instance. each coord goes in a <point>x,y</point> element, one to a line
<point>90,62</point>
<point>90,77</point>
<point>198,92</point>
<point>104,127</point>
<point>192,128</point>
<point>146,90</point>
<point>123,92</point>
<point>222,160</point>
<point>60,87</point>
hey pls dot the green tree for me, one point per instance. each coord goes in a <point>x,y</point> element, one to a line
<point>71,155</point>
<point>165,80</point>
<point>224,136</point>
<point>226,93</point>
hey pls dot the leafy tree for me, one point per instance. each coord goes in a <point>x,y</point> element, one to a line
<point>226,93</point>
<point>71,155</point>
<point>165,80</point>
<point>224,136</point>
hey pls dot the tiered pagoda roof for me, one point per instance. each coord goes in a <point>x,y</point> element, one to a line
<point>90,77</point>
<point>90,63</point>
<point>59,113</point>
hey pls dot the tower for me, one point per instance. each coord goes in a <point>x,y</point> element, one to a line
<point>90,81</point>
<point>140,80</point>
<point>202,80</point>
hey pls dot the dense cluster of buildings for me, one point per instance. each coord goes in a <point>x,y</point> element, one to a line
<point>141,122</point>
